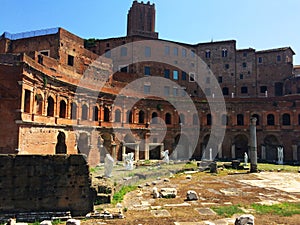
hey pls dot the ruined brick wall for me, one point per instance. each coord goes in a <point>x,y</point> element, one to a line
<point>39,43</point>
<point>9,106</point>
<point>43,183</point>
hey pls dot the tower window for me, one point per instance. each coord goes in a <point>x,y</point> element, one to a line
<point>207,54</point>
<point>147,51</point>
<point>70,60</point>
<point>244,90</point>
<point>147,70</point>
<point>224,52</point>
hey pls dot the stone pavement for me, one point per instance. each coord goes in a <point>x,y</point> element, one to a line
<point>266,187</point>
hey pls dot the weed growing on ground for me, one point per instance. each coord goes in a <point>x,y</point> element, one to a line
<point>227,211</point>
<point>282,209</point>
<point>118,196</point>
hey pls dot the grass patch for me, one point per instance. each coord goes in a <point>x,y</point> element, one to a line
<point>227,211</point>
<point>287,168</point>
<point>118,196</point>
<point>94,169</point>
<point>282,209</point>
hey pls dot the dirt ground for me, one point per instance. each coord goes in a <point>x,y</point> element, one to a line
<point>213,190</point>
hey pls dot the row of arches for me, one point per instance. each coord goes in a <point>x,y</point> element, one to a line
<point>271,119</point>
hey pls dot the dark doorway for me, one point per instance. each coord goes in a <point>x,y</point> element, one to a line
<point>241,146</point>
<point>278,89</point>
<point>154,152</point>
<point>83,144</point>
<point>271,143</point>
<point>61,147</point>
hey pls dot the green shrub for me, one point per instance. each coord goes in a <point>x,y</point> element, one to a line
<point>118,196</point>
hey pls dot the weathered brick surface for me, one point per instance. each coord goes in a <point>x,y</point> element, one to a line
<point>45,183</point>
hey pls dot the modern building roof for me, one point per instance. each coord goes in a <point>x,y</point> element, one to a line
<point>30,34</point>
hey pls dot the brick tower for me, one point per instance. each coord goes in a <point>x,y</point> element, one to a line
<point>141,20</point>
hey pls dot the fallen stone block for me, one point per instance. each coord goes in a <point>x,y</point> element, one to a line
<point>46,222</point>
<point>73,222</point>
<point>191,195</point>
<point>168,192</point>
<point>246,219</point>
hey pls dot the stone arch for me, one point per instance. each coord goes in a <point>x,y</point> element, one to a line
<point>182,149</point>
<point>39,102</point>
<point>61,147</point>
<point>154,117</point>
<point>168,118</point>
<point>255,115</point>
<point>84,112</point>
<point>62,109</point>
<point>271,143</point>
<point>141,116</point>
<point>118,116</point>
<point>50,106</point>
<point>241,145</point>
<point>206,148</point>
<point>95,113</point>
<point>106,114</point>
<point>83,143</point>
<point>74,110</point>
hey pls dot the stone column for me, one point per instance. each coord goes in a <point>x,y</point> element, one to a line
<point>233,151</point>
<point>263,152</point>
<point>137,152</point>
<point>253,146</point>
<point>113,151</point>
<point>295,151</point>
<point>220,152</point>
<point>123,151</point>
<point>147,157</point>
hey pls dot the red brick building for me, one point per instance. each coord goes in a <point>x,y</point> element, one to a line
<point>44,112</point>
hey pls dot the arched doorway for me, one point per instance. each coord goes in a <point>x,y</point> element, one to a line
<point>182,148</point>
<point>241,146</point>
<point>271,143</point>
<point>209,150</point>
<point>61,147</point>
<point>83,144</point>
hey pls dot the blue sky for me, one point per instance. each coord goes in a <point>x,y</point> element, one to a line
<point>259,24</point>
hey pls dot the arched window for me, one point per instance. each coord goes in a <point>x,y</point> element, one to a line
<point>240,119</point>
<point>27,101</point>
<point>168,118</point>
<point>50,107</point>
<point>129,116</point>
<point>62,109</point>
<point>123,51</point>
<point>39,104</point>
<point>224,120</point>
<point>286,119</point>
<point>84,112</point>
<point>298,119</point>
<point>141,117</point>
<point>95,113</point>
<point>181,119</point>
<point>73,111</point>
<point>225,91</point>
<point>207,54</point>
<point>257,118</point>
<point>195,119</point>
<point>208,120</point>
<point>270,120</point>
<point>224,52</point>
<point>117,116</point>
<point>106,114</point>
<point>154,118</point>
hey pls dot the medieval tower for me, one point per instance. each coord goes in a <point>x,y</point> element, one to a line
<point>141,20</point>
